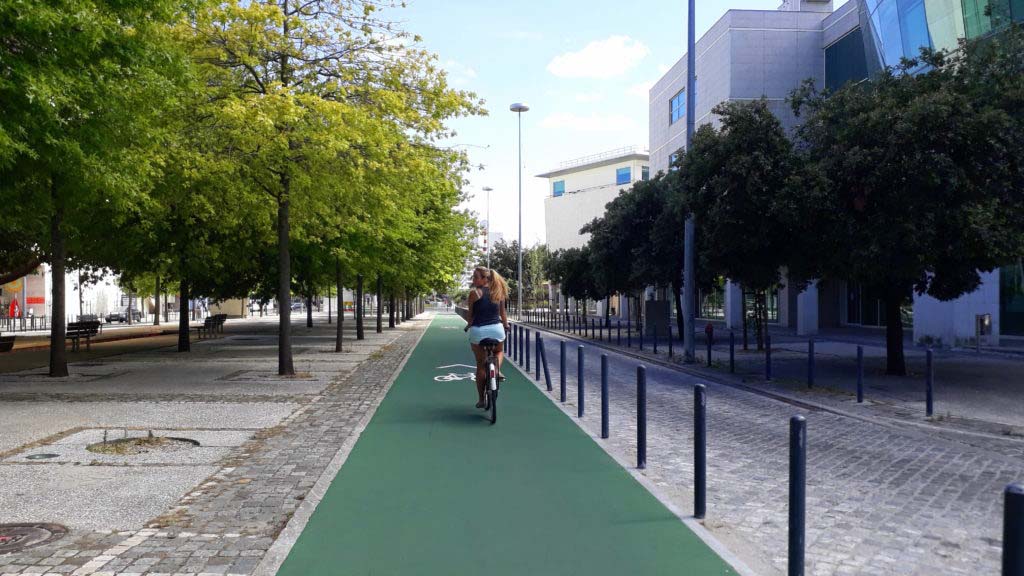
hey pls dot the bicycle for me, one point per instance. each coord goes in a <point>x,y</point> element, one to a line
<point>490,347</point>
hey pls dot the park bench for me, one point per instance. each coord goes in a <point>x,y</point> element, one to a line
<point>218,322</point>
<point>6,343</point>
<point>208,327</point>
<point>76,331</point>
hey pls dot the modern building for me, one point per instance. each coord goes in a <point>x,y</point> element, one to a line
<point>749,54</point>
<point>580,189</point>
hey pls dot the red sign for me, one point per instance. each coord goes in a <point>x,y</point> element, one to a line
<point>35,300</point>
<point>14,311</point>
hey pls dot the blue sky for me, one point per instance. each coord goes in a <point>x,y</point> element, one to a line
<point>584,68</point>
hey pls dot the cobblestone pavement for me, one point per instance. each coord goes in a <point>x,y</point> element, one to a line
<point>881,498</point>
<point>226,524</point>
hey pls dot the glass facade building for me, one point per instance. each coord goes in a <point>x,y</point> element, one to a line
<point>900,28</point>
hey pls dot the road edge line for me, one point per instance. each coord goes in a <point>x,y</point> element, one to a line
<point>282,546</point>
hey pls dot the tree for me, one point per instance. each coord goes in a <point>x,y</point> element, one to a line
<point>83,83</point>
<point>922,174</point>
<point>308,85</point>
<point>741,183</point>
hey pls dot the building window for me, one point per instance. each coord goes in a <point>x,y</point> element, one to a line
<point>672,159</point>
<point>623,176</point>
<point>645,173</point>
<point>677,107</point>
<point>845,61</point>
<point>558,188</point>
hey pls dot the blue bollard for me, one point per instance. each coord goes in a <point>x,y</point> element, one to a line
<point>519,345</point>
<point>732,352</point>
<point>767,357</point>
<point>547,373</point>
<point>537,356</point>
<point>860,374</point>
<point>641,417</point>
<point>604,395</point>
<point>797,493</point>
<point>629,334</point>
<point>592,331</point>
<point>655,341</point>
<point>514,329</point>
<point>700,448</point>
<point>561,371</point>
<point>810,363</point>
<point>640,334</point>
<point>618,332</point>
<point>1013,530</point>
<point>929,382</point>
<point>579,381</point>
<point>670,339</point>
<point>527,350</point>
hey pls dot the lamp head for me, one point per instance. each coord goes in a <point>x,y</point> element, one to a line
<point>519,107</point>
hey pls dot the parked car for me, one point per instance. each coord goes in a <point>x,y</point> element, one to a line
<point>121,315</point>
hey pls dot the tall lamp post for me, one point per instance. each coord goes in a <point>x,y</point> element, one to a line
<point>487,240</point>
<point>689,230</point>
<point>519,108</point>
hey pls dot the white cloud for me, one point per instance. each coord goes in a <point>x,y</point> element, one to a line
<point>592,123</point>
<point>589,97</point>
<point>640,89</point>
<point>459,73</point>
<point>601,59</point>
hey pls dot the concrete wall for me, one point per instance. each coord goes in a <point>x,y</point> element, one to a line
<point>952,323</point>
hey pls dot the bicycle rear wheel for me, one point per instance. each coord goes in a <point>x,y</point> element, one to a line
<point>492,396</point>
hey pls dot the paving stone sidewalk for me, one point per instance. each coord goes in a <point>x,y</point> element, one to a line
<point>227,523</point>
<point>882,499</point>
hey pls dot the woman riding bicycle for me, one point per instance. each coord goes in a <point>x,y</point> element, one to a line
<point>486,320</point>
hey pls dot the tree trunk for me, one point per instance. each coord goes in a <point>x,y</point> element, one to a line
<point>58,328</point>
<point>391,310</point>
<point>677,288</point>
<point>380,301</point>
<point>285,366</point>
<point>339,336</point>
<point>329,306</point>
<point>156,303</point>
<point>895,362</point>
<point>309,310</point>
<point>743,312</point>
<point>81,299</point>
<point>359,307</point>
<point>183,296</point>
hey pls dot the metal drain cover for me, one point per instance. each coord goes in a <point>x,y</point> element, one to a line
<point>16,537</point>
<point>41,456</point>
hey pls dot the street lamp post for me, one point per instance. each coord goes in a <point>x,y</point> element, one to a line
<point>488,189</point>
<point>689,230</point>
<point>519,108</point>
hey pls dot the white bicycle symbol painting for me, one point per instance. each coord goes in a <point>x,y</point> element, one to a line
<point>454,376</point>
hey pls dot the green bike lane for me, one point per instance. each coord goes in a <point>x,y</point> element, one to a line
<point>432,488</point>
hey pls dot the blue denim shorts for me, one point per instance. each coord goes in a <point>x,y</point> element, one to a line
<point>494,331</point>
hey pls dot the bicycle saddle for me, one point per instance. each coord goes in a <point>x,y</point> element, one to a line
<point>489,342</point>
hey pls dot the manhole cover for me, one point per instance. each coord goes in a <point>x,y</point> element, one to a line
<point>41,456</point>
<point>15,537</point>
<point>144,445</point>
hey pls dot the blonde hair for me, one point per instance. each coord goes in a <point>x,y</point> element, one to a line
<point>497,284</point>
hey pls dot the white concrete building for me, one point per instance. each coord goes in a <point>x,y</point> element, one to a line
<point>579,190</point>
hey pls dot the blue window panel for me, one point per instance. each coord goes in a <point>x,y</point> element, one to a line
<point>645,173</point>
<point>913,27</point>
<point>887,24</point>
<point>558,188</point>
<point>672,161</point>
<point>623,176</point>
<point>677,107</point>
